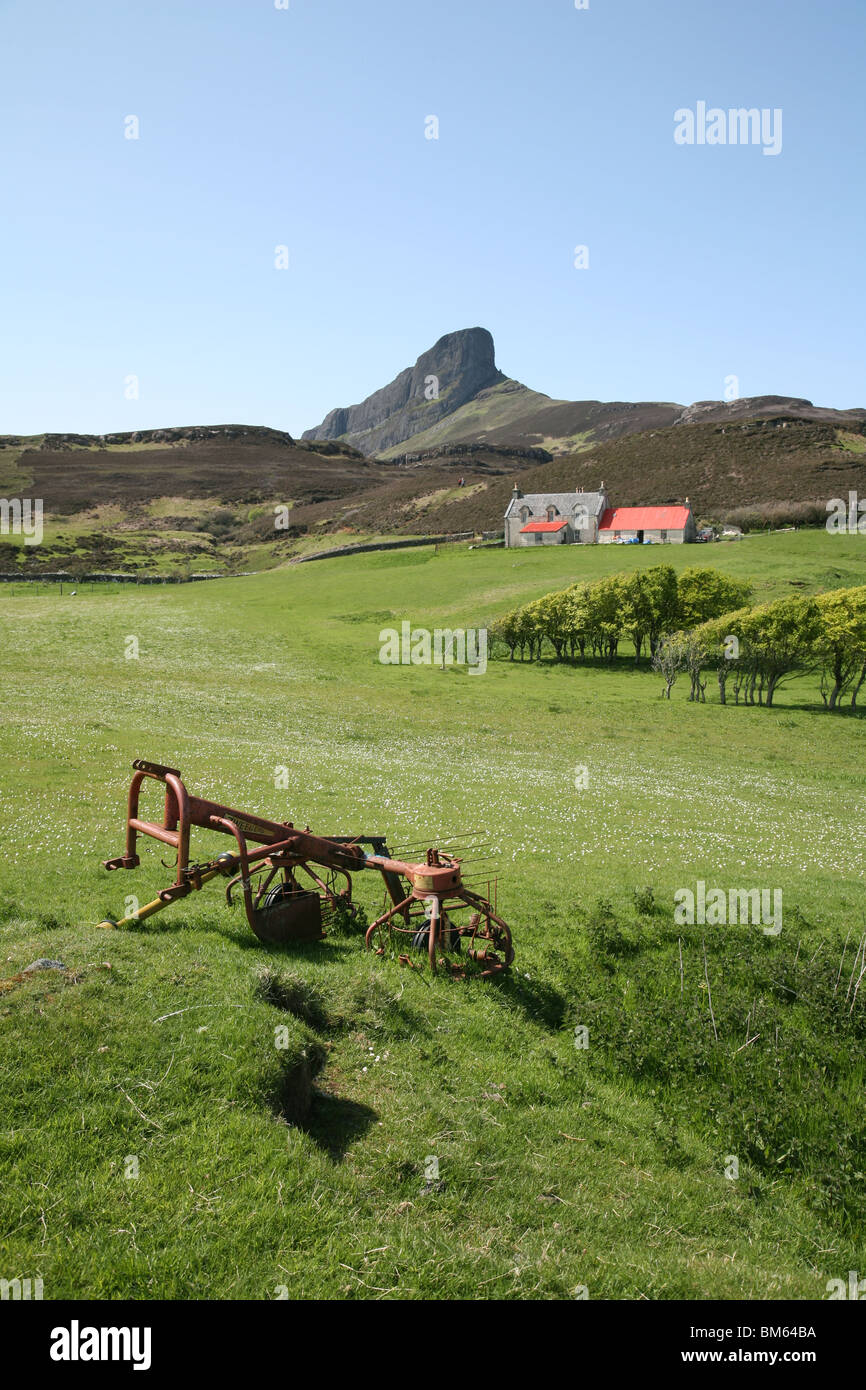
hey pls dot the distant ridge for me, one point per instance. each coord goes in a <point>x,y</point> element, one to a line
<point>455,394</point>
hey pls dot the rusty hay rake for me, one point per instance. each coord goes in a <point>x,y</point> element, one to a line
<point>294,884</point>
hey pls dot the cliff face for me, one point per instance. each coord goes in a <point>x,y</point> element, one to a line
<point>462,364</point>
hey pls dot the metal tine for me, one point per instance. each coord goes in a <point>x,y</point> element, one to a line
<point>443,847</point>
<point>397,851</point>
<point>459,856</point>
<point>460,834</point>
<point>466,834</point>
<point>459,852</point>
<point>477,858</point>
<point>438,840</point>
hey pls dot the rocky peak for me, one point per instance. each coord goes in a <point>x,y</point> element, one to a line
<point>445,377</point>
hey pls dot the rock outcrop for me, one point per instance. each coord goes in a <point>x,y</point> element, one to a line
<point>443,379</point>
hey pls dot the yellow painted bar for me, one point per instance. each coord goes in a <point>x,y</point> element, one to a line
<point>150,909</point>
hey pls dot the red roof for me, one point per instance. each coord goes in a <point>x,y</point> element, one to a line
<point>543,526</point>
<point>644,518</point>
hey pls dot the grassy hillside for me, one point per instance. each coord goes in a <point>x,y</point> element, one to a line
<point>559,1168</point>
<point>495,408</point>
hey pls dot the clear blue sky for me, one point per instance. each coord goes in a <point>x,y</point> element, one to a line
<point>305,127</point>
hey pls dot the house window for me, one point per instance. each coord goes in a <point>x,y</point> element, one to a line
<point>663,535</point>
<point>525,514</point>
<point>552,513</point>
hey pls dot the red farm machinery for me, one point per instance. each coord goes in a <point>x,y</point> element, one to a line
<point>294,883</point>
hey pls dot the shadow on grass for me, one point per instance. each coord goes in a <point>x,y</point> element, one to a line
<point>241,934</point>
<point>334,1124</point>
<point>538,1001</point>
<point>622,665</point>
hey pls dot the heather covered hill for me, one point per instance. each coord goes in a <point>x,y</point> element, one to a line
<point>566,426</point>
<point>421,493</point>
<point>73,473</point>
<point>719,467</point>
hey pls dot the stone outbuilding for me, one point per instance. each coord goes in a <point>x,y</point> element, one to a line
<point>648,525</point>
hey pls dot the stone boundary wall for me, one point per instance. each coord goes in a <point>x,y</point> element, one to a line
<point>395,545</point>
<point>61,577</point>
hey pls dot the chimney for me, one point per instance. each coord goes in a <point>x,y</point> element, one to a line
<point>516,493</point>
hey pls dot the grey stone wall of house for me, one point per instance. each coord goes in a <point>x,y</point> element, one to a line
<point>581,512</point>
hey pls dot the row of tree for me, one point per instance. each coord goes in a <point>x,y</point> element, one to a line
<point>697,623</point>
<point>593,617</point>
<point>753,650</point>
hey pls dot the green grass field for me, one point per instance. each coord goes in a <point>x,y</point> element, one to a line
<point>560,1168</point>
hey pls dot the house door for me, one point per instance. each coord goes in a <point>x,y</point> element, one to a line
<point>640,537</point>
